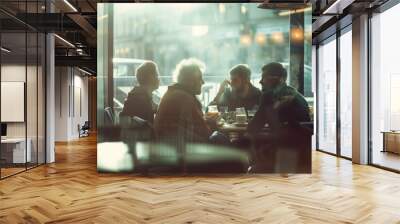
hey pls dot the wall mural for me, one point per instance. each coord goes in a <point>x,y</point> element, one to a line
<point>203,88</point>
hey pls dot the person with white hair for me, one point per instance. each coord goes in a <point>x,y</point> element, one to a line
<point>180,112</point>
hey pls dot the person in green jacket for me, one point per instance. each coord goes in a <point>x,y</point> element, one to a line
<point>281,105</point>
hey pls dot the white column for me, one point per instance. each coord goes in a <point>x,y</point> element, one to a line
<point>314,90</point>
<point>360,90</point>
<point>50,99</point>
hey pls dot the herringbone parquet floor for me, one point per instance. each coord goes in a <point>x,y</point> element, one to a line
<point>71,191</point>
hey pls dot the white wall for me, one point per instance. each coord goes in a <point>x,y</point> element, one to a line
<point>70,83</point>
<point>80,94</point>
<point>61,103</point>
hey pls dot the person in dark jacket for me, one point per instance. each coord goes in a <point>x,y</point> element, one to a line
<point>180,113</point>
<point>139,101</point>
<point>241,94</point>
<point>281,105</point>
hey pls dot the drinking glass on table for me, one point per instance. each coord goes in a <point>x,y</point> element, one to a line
<point>241,117</point>
<point>251,112</point>
<point>212,112</point>
<point>223,109</point>
<point>224,112</point>
<point>212,116</point>
<point>231,115</point>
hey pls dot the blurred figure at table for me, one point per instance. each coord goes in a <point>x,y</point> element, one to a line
<point>139,101</point>
<point>241,94</point>
<point>281,105</point>
<point>180,112</point>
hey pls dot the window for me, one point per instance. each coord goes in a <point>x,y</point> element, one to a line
<point>22,65</point>
<point>327,96</point>
<point>385,89</point>
<point>250,35</point>
<point>346,94</point>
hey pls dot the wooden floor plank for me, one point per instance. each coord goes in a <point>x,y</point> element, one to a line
<point>71,191</point>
